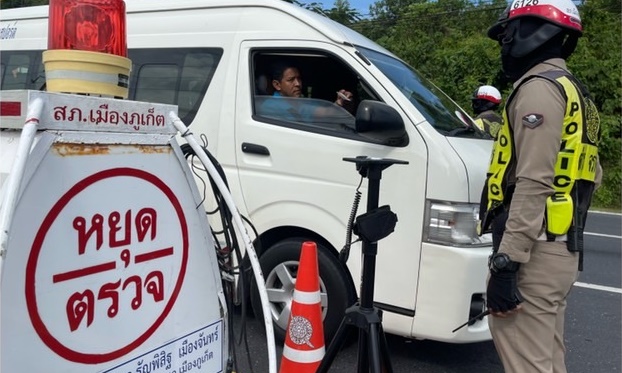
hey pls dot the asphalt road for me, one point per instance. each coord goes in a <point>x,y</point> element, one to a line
<point>593,324</point>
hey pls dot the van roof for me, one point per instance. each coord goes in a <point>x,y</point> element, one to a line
<point>329,28</point>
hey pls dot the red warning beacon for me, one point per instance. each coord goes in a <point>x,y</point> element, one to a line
<point>87,48</point>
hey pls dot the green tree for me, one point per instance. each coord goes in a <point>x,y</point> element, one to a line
<point>446,41</point>
<point>597,62</point>
<point>343,13</point>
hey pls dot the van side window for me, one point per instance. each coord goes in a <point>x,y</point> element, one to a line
<point>16,70</point>
<point>178,76</point>
<point>156,83</point>
<point>322,76</point>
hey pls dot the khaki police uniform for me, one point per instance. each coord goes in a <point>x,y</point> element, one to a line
<point>489,122</point>
<point>531,340</point>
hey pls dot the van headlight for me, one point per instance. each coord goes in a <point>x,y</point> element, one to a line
<point>453,224</point>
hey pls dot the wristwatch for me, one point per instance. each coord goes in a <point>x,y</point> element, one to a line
<point>501,262</point>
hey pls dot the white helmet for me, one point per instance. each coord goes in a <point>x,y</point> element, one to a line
<point>557,17</point>
<point>487,93</point>
<point>562,13</point>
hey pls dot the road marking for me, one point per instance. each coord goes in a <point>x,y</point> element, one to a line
<point>602,235</point>
<point>598,287</point>
<point>604,212</point>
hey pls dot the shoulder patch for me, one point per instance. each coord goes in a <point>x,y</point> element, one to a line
<point>533,120</point>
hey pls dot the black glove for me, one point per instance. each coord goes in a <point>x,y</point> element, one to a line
<point>502,294</point>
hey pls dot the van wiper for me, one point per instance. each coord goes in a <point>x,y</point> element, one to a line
<point>457,132</point>
<point>460,131</point>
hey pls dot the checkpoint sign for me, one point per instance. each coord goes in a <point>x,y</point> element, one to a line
<point>106,265</point>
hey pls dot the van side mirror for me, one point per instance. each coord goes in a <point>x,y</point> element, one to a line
<point>380,122</point>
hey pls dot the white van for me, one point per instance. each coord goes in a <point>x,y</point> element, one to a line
<point>212,58</point>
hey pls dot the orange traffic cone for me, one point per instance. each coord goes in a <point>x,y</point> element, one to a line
<point>304,341</point>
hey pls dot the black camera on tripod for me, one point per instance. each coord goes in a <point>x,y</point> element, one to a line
<point>375,225</point>
<point>372,226</point>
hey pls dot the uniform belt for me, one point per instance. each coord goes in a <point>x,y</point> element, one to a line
<point>562,238</point>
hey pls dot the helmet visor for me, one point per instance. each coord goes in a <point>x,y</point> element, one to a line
<point>495,30</point>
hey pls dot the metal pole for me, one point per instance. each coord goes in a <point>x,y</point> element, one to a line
<point>13,184</point>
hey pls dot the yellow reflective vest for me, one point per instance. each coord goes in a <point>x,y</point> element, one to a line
<point>575,168</point>
<point>489,122</point>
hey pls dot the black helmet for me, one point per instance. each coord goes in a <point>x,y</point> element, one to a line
<point>555,17</point>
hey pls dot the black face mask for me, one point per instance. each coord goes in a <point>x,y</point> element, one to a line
<point>513,68</point>
<point>518,56</point>
<point>480,106</point>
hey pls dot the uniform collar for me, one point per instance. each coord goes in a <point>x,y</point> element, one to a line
<point>550,64</point>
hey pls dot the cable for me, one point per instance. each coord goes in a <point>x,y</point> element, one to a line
<point>228,216</point>
<point>344,254</point>
<point>224,254</point>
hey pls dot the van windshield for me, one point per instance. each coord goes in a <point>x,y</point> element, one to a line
<point>438,109</point>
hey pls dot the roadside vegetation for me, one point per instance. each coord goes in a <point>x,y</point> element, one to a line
<point>446,41</point>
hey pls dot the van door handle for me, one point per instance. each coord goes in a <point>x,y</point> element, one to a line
<point>254,149</point>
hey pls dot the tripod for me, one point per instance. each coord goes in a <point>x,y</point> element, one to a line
<point>372,226</point>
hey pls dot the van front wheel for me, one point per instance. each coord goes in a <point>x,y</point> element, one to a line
<point>279,265</point>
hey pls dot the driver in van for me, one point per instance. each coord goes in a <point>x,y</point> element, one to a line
<point>287,83</point>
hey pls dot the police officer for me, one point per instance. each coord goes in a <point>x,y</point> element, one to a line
<point>485,101</point>
<point>543,171</point>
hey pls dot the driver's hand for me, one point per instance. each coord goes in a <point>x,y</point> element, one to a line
<point>344,98</point>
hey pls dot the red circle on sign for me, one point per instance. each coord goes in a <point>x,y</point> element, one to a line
<point>31,299</point>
